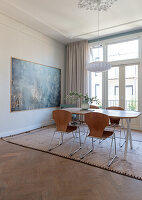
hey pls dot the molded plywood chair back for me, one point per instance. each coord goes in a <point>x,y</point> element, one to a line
<point>94,107</point>
<point>114,120</point>
<point>62,119</point>
<point>96,123</point>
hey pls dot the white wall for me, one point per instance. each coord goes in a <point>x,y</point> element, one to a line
<point>20,41</point>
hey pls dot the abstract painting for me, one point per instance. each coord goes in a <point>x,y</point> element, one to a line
<point>34,86</point>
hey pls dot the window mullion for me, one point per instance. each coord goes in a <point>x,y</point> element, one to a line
<point>105,81</point>
<point>122,86</point>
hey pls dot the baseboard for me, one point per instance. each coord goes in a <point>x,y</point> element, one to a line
<point>25,129</point>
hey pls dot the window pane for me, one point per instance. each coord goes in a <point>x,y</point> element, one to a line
<point>131,87</point>
<point>96,54</point>
<point>113,86</point>
<point>96,85</point>
<point>123,50</point>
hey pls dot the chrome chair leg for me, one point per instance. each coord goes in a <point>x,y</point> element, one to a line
<point>82,129</point>
<point>101,140</point>
<point>93,143</point>
<point>76,135</point>
<point>115,156</point>
<point>95,140</point>
<point>92,149</point>
<point>110,162</point>
<point>61,137</point>
<point>120,136</point>
<point>51,140</point>
<point>114,144</point>
<point>71,154</point>
<point>79,138</point>
<point>73,135</point>
<point>78,128</point>
<point>85,131</point>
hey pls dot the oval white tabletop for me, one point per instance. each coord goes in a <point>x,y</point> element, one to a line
<point>110,113</point>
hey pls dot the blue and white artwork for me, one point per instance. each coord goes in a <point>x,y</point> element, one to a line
<point>34,86</point>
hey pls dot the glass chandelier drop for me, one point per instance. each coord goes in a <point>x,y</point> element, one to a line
<point>95,4</point>
<point>99,5</point>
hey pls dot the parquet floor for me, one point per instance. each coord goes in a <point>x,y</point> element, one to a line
<point>26,174</point>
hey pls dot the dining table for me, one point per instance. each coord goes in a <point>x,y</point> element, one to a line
<point>122,114</point>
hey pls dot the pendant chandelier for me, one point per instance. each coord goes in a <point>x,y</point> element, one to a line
<point>99,5</point>
<point>95,4</point>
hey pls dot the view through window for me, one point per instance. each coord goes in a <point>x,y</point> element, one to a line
<point>131,87</point>
<point>123,51</point>
<point>96,54</point>
<point>113,86</point>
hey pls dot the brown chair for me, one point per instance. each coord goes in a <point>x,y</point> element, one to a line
<point>116,121</point>
<point>91,107</point>
<point>62,119</point>
<point>97,122</point>
<point>94,107</point>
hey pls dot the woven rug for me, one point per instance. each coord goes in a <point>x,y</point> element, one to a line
<point>40,140</point>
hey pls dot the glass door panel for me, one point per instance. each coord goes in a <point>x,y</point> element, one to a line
<point>123,89</point>
<point>113,86</point>
<point>95,90</point>
<point>131,87</point>
<point>96,86</point>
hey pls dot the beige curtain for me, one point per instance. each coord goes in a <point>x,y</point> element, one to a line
<point>76,73</point>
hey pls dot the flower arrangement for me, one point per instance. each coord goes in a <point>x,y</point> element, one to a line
<point>75,96</point>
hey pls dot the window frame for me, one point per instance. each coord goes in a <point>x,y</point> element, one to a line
<point>104,44</point>
<point>91,54</point>
<point>137,61</point>
<point>122,41</point>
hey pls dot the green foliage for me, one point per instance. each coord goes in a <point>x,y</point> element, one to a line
<point>75,96</point>
<point>132,105</point>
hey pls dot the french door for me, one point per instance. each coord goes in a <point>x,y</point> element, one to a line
<point>122,88</point>
<point>118,87</point>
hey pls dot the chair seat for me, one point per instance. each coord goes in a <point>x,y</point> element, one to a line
<point>107,134</point>
<point>71,128</point>
<point>115,124</point>
<point>114,120</point>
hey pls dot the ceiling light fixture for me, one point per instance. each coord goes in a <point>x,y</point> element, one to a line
<point>99,5</point>
<point>96,4</point>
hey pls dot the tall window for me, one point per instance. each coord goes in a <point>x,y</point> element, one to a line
<point>96,54</point>
<point>131,87</point>
<point>123,51</point>
<point>96,88</point>
<point>118,86</point>
<point>123,87</point>
<point>113,86</point>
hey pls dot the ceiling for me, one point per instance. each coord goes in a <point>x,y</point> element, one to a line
<point>65,22</point>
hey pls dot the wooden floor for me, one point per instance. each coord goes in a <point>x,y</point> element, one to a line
<point>26,174</point>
